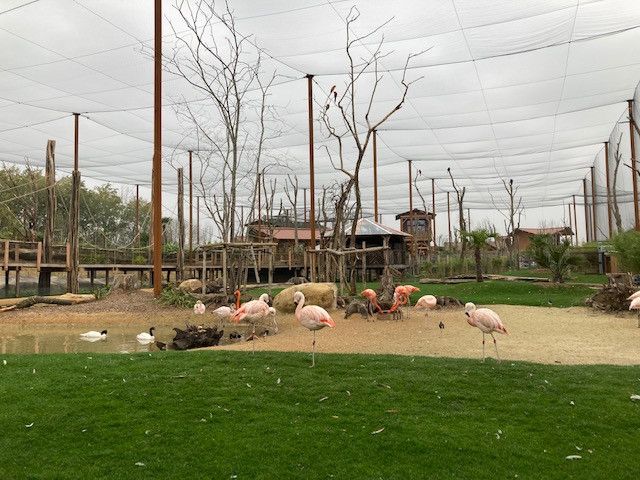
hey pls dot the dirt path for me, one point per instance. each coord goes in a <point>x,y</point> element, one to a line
<point>547,335</point>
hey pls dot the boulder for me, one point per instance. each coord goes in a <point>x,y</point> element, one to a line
<point>192,285</point>
<point>297,281</point>
<point>322,294</point>
<point>125,282</point>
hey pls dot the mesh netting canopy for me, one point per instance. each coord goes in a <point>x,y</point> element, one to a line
<point>525,90</point>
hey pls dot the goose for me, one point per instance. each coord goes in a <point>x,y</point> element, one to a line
<point>94,334</point>
<point>147,337</point>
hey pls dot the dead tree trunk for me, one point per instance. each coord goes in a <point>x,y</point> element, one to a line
<point>44,278</point>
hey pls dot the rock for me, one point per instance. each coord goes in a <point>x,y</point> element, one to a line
<point>192,285</point>
<point>125,282</point>
<point>322,294</point>
<point>214,286</point>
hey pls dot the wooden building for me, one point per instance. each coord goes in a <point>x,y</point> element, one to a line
<point>417,223</point>
<point>523,235</point>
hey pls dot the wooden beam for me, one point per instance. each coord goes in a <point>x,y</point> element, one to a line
<point>449,217</point>
<point>157,150</point>
<point>180,259</point>
<point>433,208</point>
<point>634,177</point>
<point>606,170</point>
<point>191,205</point>
<point>586,211</point>
<point>375,176</point>
<point>312,197</point>
<point>39,256</point>
<point>73,285</point>
<point>594,223</point>
<point>5,265</point>
<point>575,220</point>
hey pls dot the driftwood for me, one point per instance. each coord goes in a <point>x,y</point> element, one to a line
<point>445,301</point>
<point>66,299</point>
<point>613,297</point>
<point>364,308</point>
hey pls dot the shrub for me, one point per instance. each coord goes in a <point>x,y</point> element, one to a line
<point>171,295</point>
<point>558,258</point>
<point>627,249</point>
<point>139,260</point>
<point>101,292</point>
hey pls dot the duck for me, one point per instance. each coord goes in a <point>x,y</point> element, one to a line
<point>94,334</point>
<point>147,337</point>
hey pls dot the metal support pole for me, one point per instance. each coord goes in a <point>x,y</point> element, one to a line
<point>570,221</point>
<point>190,205</point>
<point>312,197</point>
<point>449,217</point>
<point>575,219</point>
<point>73,285</point>
<point>375,176</point>
<point>259,209</point>
<point>198,220</point>
<point>586,211</point>
<point>138,216</point>
<point>593,204</point>
<point>634,176</point>
<point>433,209</point>
<point>157,151</point>
<point>606,168</point>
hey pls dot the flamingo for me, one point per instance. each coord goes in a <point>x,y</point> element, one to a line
<point>405,291</point>
<point>635,305</point>
<point>426,303</point>
<point>372,296</point>
<point>272,313</point>
<point>224,313</point>
<point>634,295</point>
<point>313,318</point>
<point>487,321</point>
<point>252,312</point>
<point>199,308</point>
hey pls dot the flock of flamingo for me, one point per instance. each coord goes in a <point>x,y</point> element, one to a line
<point>314,317</point>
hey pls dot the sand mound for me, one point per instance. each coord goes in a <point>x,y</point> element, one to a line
<point>321,294</point>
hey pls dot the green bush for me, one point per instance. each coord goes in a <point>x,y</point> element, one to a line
<point>101,292</point>
<point>627,249</point>
<point>171,295</point>
<point>558,258</point>
<point>170,248</point>
<point>139,260</point>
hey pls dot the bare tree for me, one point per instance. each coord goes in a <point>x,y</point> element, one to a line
<point>346,125</point>
<point>223,64</point>
<point>617,158</point>
<point>462,222</point>
<point>511,209</point>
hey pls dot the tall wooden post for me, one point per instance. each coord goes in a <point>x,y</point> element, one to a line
<point>433,209</point>
<point>259,209</point>
<point>198,220</point>
<point>570,221</point>
<point>412,219</point>
<point>180,259</point>
<point>138,216</point>
<point>190,205</point>
<point>44,277</point>
<point>634,175</point>
<point>157,151</point>
<point>594,223</point>
<point>449,217</point>
<point>469,219</point>
<point>312,197</point>
<point>606,169</point>
<point>73,285</point>
<point>304,196</point>
<point>587,218</point>
<point>375,176</point>
<point>575,220</point>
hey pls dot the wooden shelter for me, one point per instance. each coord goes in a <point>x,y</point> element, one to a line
<point>523,235</point>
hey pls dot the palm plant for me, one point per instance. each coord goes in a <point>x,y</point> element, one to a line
<point>478,240</point>
<point>557,257</point>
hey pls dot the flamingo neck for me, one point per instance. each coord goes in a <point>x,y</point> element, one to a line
<point>299,308</point>
<point>237,294</point>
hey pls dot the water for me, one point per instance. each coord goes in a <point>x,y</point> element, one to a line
<point>61,339</point>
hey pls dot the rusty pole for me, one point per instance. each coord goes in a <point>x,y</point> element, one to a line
<point>138,216</point>
<point>259,209</point>
<point>375,176</point>
<point>157,151</point>
<point>433,209</point>
<point>575,219</point>
<point>449,217</point>
<point>198,220</point>
<point>587,217</point>
<point>74,215</point>
<point>304,196</point>
<point>606,169</point>
<point>312,196</point>
<point>190,205</point>
<point>593,204</point>
<point>570,221</point>
<point>636,213</point>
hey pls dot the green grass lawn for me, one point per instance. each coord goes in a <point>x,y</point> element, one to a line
<point>492,292</point>
<point>233,415</point>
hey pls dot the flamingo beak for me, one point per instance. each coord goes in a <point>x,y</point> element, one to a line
<point>466,313</point>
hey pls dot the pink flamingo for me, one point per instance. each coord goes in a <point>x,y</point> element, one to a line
<point>224,313</point>
<point>199,308</point>
<point>426,303</point>
<point>372,296</point>
<point>312,317</point>
<point>635,304</point>
<point>487,321</point>
<point>252,312</point>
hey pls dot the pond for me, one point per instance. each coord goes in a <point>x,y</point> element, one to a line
<point>63,339</point>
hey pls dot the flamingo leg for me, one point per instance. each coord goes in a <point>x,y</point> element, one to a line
<point>253,338</point>
<point>275,324</point>
<point>638,318</point>
<point>483,355</point>
<point>313,350</point>
<point>495,344</point>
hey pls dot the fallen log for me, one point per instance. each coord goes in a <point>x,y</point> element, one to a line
<point>66,299</point>
<point>195,336</point>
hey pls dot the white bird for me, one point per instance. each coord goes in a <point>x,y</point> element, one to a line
<point>94,334</point>
<point>199,308</point>
<point>487,321</point>
<point>426,303</point>
<point>635,305</point>
<point>224,313</point>
<point>147,337</point>
<point>272,313</point>
<point>634,295</point>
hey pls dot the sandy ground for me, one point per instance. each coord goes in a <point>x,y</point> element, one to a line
<point>574,335</point>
